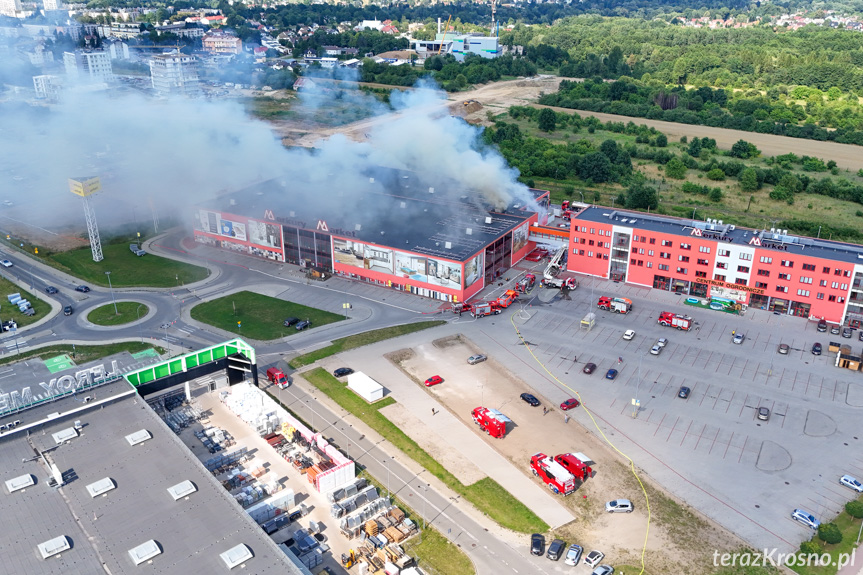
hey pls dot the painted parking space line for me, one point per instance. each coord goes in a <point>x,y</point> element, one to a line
<point>688,427</point>
<point>742,451</point>
<point>728,445</point>
<point>659,426</point>
<point>672,428</point>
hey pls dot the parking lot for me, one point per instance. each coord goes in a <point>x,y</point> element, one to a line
<point>710,449</point>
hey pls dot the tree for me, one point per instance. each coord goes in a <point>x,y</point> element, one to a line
<point>675,169</point>
<point>743,150</point>
<point>694,148</point>
<point>640,196</point>
<point>716,174</point>
<point>829,533</point>
<point>716,195</point>
<point>609,148</point>
<point>810,548</point>
<point>854,509</point>
<point>595,166</point>
<point>547,120</point>
<point>748,180</point>
<point>661,141</point>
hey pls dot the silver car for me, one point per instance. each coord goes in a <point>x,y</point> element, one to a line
<point>475,359</point>
<point>619,506</point>
<point>603,570</point>
<point>573,554</point>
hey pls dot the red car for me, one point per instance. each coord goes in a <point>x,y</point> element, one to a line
<point>569,404</point>
<point>434,380</point>
<point>535,255</point>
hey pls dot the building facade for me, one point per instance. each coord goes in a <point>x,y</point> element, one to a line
<point>222,43</point>
<point>10,7</point>
<point>89,66</point>
<point>459,45</point>
<point>175,73</point>
<point>768,269</point>
<point>47,87</point>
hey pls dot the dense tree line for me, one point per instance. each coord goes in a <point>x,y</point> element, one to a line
<point>711,107</point>
<point>364,41</point>
<point>447,71</point>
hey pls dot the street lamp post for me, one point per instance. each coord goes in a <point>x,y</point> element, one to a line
<point>112,293</point>
<point>388,476</point>
<point>693,213</point>
<point>582,197</point>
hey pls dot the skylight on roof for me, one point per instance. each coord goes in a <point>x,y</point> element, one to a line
<point>236,555</point>
<point>21,482</point>
<point>101,487</point>
<point>145,551</point>
<point>138,437</point>
<point>53,546</point>
<point>181,490</point>
<point>65,435</point>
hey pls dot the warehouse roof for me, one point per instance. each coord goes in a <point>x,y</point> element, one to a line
<point>387,207</point>
<point>115,508</point>
<point>776,239</point>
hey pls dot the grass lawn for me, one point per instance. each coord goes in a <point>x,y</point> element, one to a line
<point>9,311</point>
<point>850,527</point>
<point>432,550</point>
<point>261,316</point>
<point>127,269</point>
<point>127,312</point>
<point>80,353</point>
<point>486,495</point>
<point>361,339</point>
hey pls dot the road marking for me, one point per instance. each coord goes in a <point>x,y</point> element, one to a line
<point>728,445</point>
<point>659,425</point>
<point>672,429</point>
<point>685,433</point>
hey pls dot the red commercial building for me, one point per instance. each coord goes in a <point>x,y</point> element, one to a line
<point>719,264</point>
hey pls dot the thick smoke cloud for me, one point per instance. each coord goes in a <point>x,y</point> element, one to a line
<point>171,154</point>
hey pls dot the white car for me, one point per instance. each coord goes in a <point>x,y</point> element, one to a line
<point>656,349</point>
<point>593,558</point>
<point>662,342</point>
<point>573,555</point>
<point>629,334</point>
<point>849,481</point>
<point>619,506</point>
<point>6,263</point>
<point>738,338</point>
<point>805,518</point>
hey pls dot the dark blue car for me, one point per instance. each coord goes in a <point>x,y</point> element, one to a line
<point>611,374</point>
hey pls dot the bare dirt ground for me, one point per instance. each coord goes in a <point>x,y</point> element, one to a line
<point>676,533</point>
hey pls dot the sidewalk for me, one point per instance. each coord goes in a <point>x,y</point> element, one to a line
<point>855,567</point>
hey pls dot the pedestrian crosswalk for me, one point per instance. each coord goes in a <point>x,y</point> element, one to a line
<point>13,344</point>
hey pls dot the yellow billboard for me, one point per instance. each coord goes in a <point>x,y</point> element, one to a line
<point>84,186</point>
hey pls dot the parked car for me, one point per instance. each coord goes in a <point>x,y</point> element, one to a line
<point>822,326</point>
<point>291,321</point>
<point>662,342</point>
<point>529,399</point>
<point>816,348</point>
<point>593,558</point>
<point>805,518</point>
<point>573,554</point>
<point>303,325</point>
<point>591,367</point>
<point>849,481</point>
<point>783,348</point>
<point>860,335</point>
<point>342,371</point>
<point>656,349</point>
<point>763,413</point>
<point>6,263</point>
<point>537,544</point>
<point>555,550</point>
<point>611,374</point>
<point>847,332</point>
<point>82,289</point>
<point>603,570</point>
<point>738,338</point>
<point>834,329</point>
<point>434,380</point>
<point>52,290</point>
<point>684,392</point>
<point>67,310</point>
<point>475,359</point>
<point>569,404</point>
<point>629,334</point>
<point>619,506</point>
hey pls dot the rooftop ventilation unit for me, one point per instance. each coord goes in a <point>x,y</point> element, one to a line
<point>65,435</point>
<point>469,231</point>
<point>232,201</point>
<point>732,227</point>
<point>632,221</point>
<point>371,180</point>
<point>101,487</point>
<point>624,220</point>
<point>236,555</point>
<point>403,205</point>
<point>382,232</point>
<point>431,190</point>
<point>54,546</point>
<point>488,219</point>
<point>358,227</point>
<point>720,222</point>
<point>138,437</point>
<point>182,490</point>
<point>784,232</point>
<point>145,552</point>
<point>448,245</point>
<point>292,214</point>
<point>20,482</point>
<point>772,230</point>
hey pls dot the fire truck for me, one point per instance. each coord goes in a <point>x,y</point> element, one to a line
<point>670,319</point>
<point>484,309</point>
<point>552,473</point>
<point>616,304</point>
<point>526,283</point>
<point>461,307</point>
<point>506,299</point>
<point>575,463</point>
<point>558,283</point>
<point>491,421</point>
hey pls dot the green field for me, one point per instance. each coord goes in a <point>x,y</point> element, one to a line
<point>361,339</point>
<point>80,353</point>
<point>486,495</point>
<point>261,317</point>
<point>9,311</point>
<point>127,269</point>
<point>126,312</point>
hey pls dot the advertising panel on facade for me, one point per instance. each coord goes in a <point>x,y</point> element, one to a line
<point>208,221</point>
<point>409,266</point>
<point>234,230</point>
<point>473,269</point>
<point>264,234</point>
<point>348,253</point>
<point>444,274</point>
<point>379,259</point>
<point>519,237</point>
<point>730,293</point>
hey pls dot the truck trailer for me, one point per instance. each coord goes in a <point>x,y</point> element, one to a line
<point>553,474</point>
<point>491,421</point>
